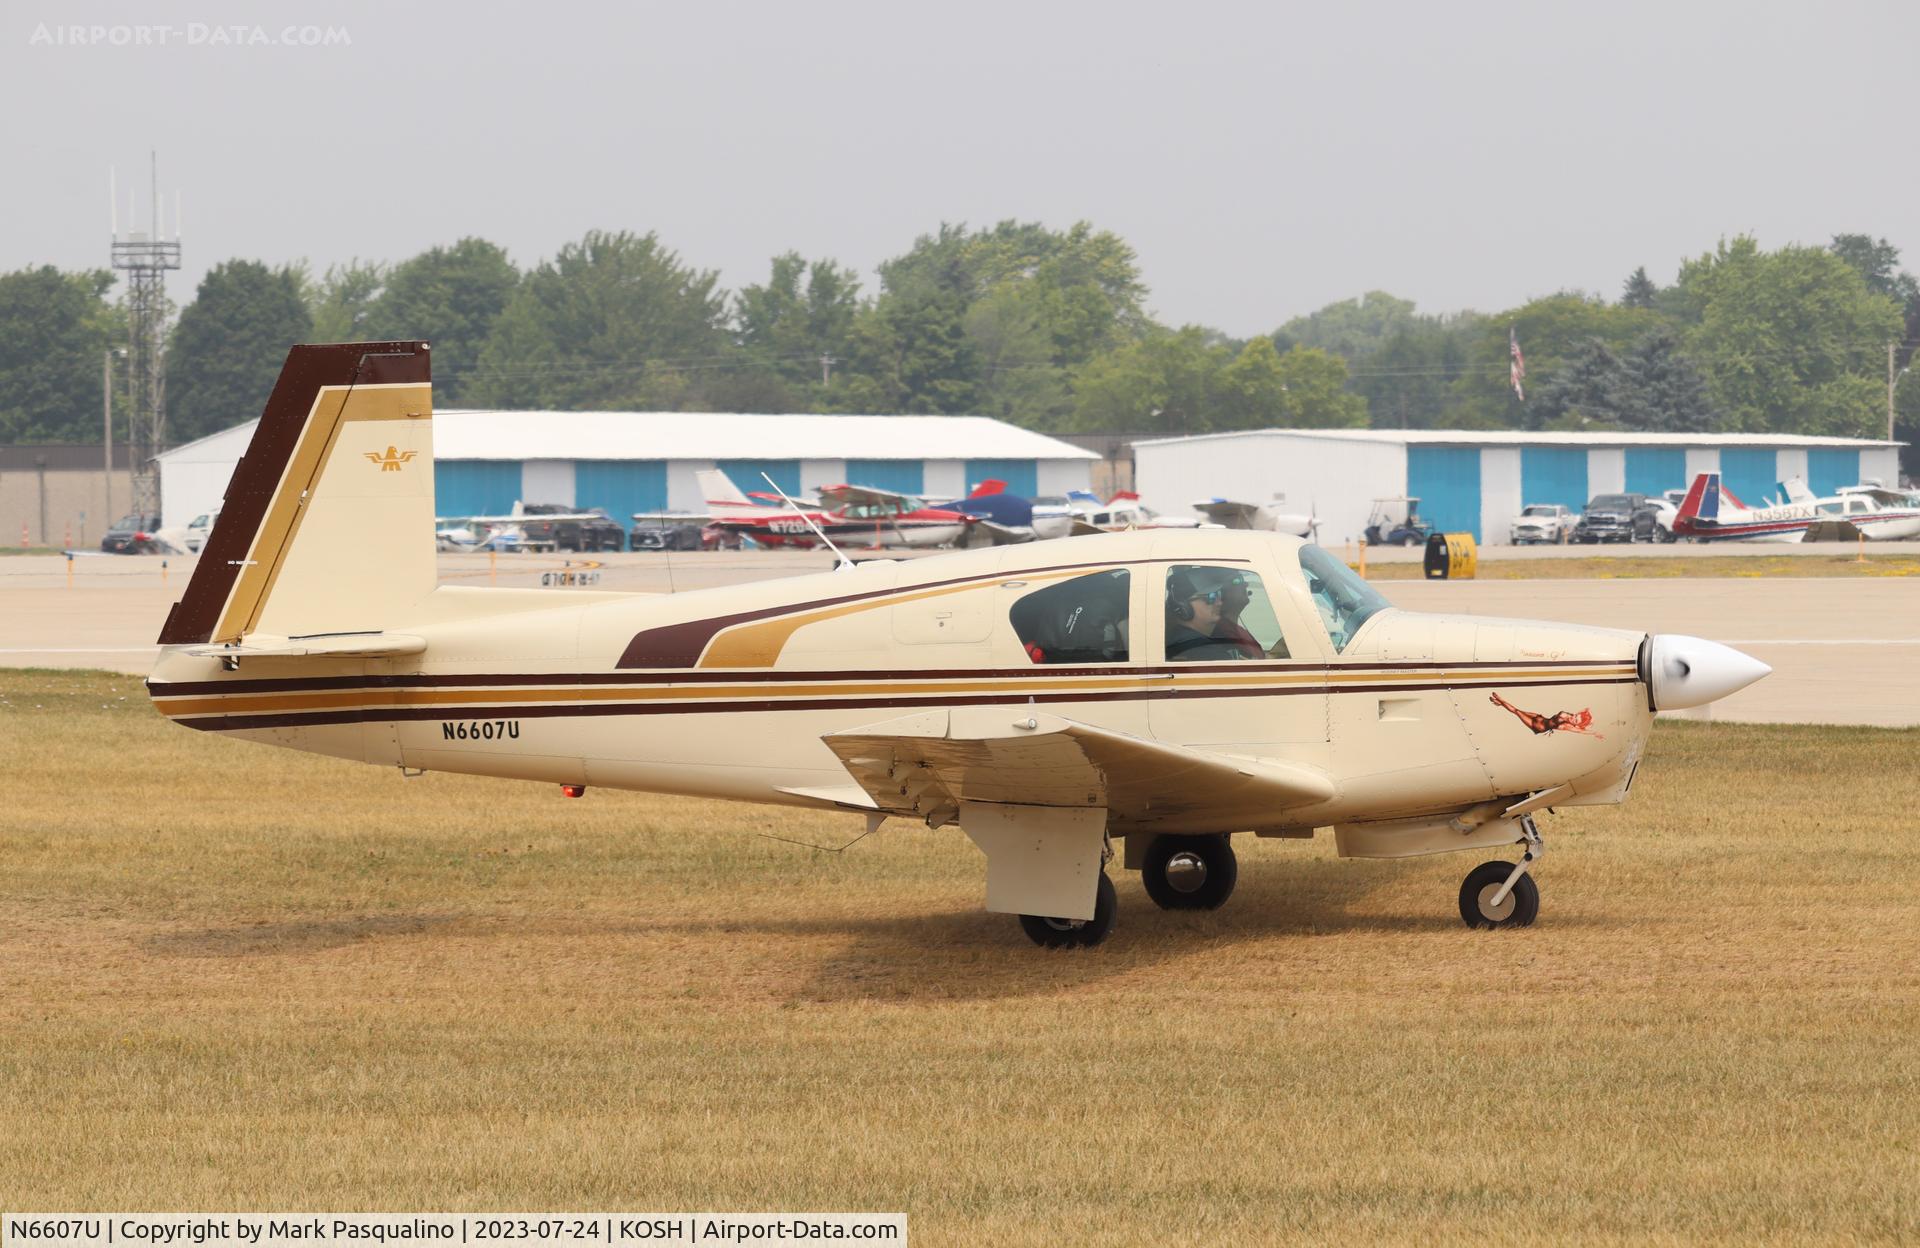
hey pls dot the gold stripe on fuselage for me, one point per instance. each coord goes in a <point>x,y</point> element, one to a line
<point>1254,684</point>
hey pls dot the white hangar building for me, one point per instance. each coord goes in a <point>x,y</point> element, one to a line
<point>624,462</point>
<point>1475,481</point>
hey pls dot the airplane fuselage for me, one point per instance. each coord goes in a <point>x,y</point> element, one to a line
<point>728,692</point>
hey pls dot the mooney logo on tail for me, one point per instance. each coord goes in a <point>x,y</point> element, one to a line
<point>393,459</point>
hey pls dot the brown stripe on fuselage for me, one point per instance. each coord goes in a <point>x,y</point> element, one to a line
<point>240,723</point>
<point>681,645</point>
<point>257,476</point>
<point>290,684</point>
<point>1248,684</point>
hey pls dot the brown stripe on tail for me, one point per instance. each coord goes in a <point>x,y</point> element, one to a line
<point>258,474</point>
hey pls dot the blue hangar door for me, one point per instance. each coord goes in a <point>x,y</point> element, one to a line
<point>1446,480</point>
<point>1554,474</point>
<point>1750,474</point>
<point>620,487</point>
<point>745,473</point>
<point>1830,467</point>
<point>475,487</point>
<point>902,476</point>
<point>1021,475</point>
<point>1653,470</point>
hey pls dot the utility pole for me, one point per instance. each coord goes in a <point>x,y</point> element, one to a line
<point>145,256</point>
<point>826,368</point>
<point>1891,382</point>
<point>106,425</point>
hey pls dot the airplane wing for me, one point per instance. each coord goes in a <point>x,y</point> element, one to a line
<point>842,496</point>
<point>926,764</point>
<point>1000,534</point>
<point>1227,513</point>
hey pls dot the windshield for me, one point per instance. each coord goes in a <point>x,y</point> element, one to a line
<point>1538,511</point>
<point>1344,601</point>
<point>1611,500</point>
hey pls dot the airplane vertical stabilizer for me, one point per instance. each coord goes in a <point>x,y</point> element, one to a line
<point>327,525</point>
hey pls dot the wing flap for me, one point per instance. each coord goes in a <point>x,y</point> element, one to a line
<point>926,764</point>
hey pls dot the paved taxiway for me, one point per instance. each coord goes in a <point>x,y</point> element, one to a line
<point>1843,650</point>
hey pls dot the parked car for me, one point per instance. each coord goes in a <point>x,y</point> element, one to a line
<point>1664,511</point>
<point>132,535</point>
<point>598,532</point>
<point>666,533</point>
<point>1618,518</point>
<point>1541,522</point>
<point>198,530</point>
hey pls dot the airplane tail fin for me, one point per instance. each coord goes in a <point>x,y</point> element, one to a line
<point>328,521</point>
<point>1702,503</point>
<point>1797,491</point>
<point>992,485</point>
<point>717,489</point>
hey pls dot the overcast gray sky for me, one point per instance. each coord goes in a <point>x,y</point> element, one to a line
<point>1263,159</point>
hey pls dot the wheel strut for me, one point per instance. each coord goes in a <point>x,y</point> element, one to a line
<point>1530,837</point>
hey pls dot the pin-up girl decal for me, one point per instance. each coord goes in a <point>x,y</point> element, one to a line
<point>1559,721</point>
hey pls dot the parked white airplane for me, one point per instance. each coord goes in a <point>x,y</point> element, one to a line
<point>1265,517</point>
<point>1713,513</point>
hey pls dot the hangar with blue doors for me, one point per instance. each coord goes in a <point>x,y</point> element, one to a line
<point>1475,481</point>
<point>627,462</point>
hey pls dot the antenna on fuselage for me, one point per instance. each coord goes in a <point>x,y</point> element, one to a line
<point>844,562</point>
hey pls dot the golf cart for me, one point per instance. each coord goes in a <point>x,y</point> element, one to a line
<point>1397,522</point>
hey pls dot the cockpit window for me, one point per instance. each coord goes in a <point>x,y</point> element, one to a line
<point>1083,620</point>
<point>1344,601</point>
<point>1216,614</point>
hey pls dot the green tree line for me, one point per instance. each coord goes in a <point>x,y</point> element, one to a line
<point>1043,327</point>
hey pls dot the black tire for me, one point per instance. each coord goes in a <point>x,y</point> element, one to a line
<point>1072,933</point>
<point>1520,909</point>
<point>1207,874</point>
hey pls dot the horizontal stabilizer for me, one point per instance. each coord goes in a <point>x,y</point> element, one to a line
<point>926,764</point>
<point>316,645</point>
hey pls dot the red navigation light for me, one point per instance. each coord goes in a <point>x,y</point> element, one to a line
<point>573,790</point>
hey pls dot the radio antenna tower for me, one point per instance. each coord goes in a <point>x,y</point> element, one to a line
<point>145,256</point>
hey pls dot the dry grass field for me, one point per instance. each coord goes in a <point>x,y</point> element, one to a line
<point>233,977</point>
<point>1604,567</point>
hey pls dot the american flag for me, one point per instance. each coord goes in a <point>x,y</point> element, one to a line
<point>1518,369</point>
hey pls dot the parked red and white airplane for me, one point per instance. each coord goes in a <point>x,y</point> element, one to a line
<point>1713,513</point>
<point>852,514</point>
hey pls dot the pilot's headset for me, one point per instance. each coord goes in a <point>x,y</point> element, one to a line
<point>1181,592</point>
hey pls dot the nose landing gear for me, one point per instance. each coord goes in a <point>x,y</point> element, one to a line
<point>1503,894</point>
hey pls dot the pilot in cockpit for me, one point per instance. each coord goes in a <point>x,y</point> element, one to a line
<point>1195,610</point>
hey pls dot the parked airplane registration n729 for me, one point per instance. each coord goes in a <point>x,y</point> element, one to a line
<point>1167,688</point>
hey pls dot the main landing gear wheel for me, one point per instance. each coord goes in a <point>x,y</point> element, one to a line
<point>1075,933</point>
<point>1518,908</point>
<point>1190,872</point>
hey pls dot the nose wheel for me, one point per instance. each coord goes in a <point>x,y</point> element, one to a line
<point>1190,872</point>
<point>1503,894</point>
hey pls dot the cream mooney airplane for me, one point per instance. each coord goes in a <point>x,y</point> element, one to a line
<point>1165,687</point>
